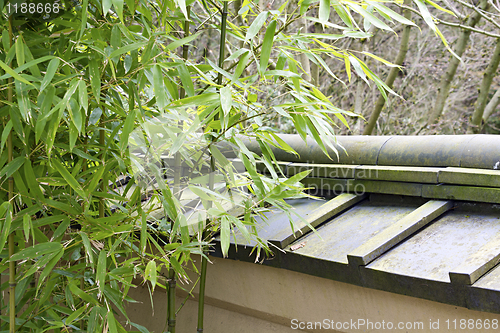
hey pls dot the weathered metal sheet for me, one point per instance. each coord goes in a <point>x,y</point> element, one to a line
<point>395,233</point>
<point>346,232</point>
<point>442,246</point>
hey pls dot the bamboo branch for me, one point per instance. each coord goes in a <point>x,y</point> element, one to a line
<point>480,12</point>
<point>464,27</point>
<point>451,24</point>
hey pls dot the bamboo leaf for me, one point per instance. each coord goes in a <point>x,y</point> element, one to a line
<point>65,102</point>
<point>369,16</point>
<point>106,6</point>
<point>236,54</point>
<point>71,318</point>
<point>440,8</point>
<point>23,102</point>
<point>127,48</point>
<point>324,11</point>
<point>12,167</point>
<point>242,64</point>
<point>187,83</point>
<point>144,232</point>
<point>128,127</point>
<point>226,100</point>
<point>26,227</point>
<point>61,229</point>
<point>254,28</point>
<point>49,74</point>
<point>150,273</point>
<point>69,178</point>
<point>50,265</point>
<point>5,134</point>
<point>390,64</point>
<point>6,207</point>
<point>19,45</point>
<point>83,96</point>
<point>101,271</point>
<point>182,7</point>
<point>389,12</point>
<point>357,67</point>
<point>342,13</point>
<point>223,161</point>
<point>118,4</point>
<point>81,294</point>
<point>225,233</point>
<point>426,14</point>
<point>159,88</point>
<point>267,46</point>
<point>95,79</point>
<point>181,42</point>
<point>88,248</point>
<point>254,175</point>
<point>36,251</point>
<point>198,100</point>
<point>30,64</point>
<point>44,112</point>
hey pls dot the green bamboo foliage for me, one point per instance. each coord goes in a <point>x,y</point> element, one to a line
<point>84,214</point>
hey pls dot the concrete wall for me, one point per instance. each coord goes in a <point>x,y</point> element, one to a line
<point>245,297</point>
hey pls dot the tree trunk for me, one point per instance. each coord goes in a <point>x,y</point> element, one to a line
<point>444,86</point>
<point>403,49</point>
<point>475,124</point>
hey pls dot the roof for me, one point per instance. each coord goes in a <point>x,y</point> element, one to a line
<point>417,216</point>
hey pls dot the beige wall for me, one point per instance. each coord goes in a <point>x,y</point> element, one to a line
<point>245,297</point>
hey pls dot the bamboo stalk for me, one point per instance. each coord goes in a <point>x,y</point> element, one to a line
<point>204,261</point>
<point>172,281</point>
<point>12,264</point>
<point>103,184</point>
<point>475,124</point>
<point>492,105</point>
<point>403,49</point>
